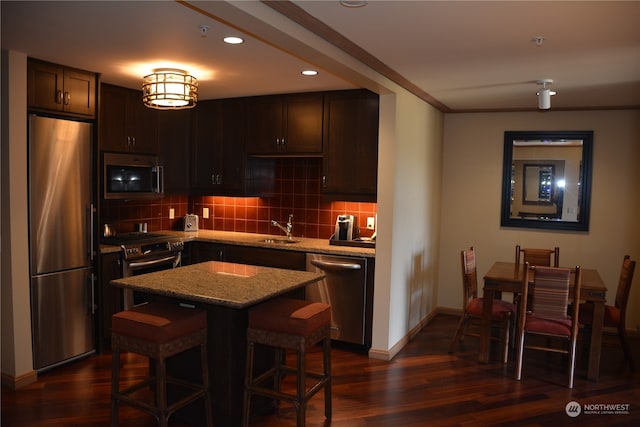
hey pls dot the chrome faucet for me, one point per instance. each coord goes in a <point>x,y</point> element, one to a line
<point>288,229</point>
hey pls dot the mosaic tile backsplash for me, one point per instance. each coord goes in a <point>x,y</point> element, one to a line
<point>297,191</point>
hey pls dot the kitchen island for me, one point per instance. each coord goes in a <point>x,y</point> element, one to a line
<point>226,291</point>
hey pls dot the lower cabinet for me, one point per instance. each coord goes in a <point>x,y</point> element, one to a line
<point>109,298</point>
<point>265,257</point>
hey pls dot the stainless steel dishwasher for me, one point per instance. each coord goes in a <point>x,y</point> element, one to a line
<point>345,289</point>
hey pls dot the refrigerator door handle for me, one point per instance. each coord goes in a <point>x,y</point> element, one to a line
<point>92,212</point>
<point>93,294</point>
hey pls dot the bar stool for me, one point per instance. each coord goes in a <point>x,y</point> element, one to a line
<point>159,330</point>
<point>285,323</point>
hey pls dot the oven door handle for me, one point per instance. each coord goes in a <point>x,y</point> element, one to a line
<point>144,264</point>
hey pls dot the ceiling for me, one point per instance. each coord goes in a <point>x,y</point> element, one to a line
<point>457,55</point>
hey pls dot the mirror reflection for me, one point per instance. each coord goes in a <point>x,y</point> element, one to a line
<point>546,179</point>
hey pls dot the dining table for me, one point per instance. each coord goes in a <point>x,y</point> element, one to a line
<point>507,277</point>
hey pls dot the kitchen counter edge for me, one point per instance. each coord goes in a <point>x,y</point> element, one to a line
<point>302,244</point>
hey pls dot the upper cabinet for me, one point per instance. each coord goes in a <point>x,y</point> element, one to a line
<point>218,147</point>
<point>125,123</point>
<point>285,125</point>
<point>174,136</point>
<point>350,163</point>
<point>52,87</point>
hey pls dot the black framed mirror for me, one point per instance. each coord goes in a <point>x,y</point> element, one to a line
<point>546,179</point>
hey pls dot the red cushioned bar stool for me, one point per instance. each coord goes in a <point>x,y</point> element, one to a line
<point>159,330</point>
<point>289,324</point>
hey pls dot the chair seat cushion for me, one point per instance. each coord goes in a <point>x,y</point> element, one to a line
<point>544,325</point>
<point>611,315</point>
<point>158,322</point>
<point>290,316</point>
<point>500,310</point>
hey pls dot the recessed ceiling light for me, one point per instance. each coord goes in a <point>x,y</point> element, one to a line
<point>354,3</point>
<point>233,40</point>
<point>309,73</point>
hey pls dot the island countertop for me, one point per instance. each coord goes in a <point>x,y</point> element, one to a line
<point>220,283</point>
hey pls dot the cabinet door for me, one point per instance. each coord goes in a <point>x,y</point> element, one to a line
<point>141,124</point>
<point>113,135</point>
<point>79,92</point>
<point>303,124</point>
<point>264,124</point>
<point>201,252</point>
<point>232,159</point>
<point>125,123</point>
<point>174,134</point>
<point>350,161</point>
<point>277,258</point>
<point>45,85</point>
<point>207,144</point>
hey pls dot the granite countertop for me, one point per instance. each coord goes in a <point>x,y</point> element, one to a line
<point>220,283</point>
<point>258,240</point>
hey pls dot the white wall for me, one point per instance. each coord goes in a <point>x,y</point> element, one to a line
<point>472,190</point>
<point>17,365</point>
<point>409,182</point>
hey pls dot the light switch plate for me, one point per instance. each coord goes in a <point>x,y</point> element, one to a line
<point>172,213</point>
<point>205,212</point>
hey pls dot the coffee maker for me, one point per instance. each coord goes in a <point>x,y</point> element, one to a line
<point>346,228</point>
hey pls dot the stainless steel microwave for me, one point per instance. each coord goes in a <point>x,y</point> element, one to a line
<point>132,176</point>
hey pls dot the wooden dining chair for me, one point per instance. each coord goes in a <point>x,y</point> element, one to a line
<point>501,313</point>
<point>544,257</point>
<point>615,315</point>
<point>548,317</point>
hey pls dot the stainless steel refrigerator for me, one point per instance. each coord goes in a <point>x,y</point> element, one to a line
<point>61,213</point>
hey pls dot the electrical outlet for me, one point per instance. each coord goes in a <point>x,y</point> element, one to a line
<point>172,213</point>
<point>371,223</point>
<point>205,212</point>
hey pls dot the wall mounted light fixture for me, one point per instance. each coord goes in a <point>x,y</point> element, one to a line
<point>169,89</point>
<point>544,94</point>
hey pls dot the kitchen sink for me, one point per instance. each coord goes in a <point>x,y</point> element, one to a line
<point>279,241</point>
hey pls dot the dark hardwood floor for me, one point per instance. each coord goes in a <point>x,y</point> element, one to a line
<point>423,385</point>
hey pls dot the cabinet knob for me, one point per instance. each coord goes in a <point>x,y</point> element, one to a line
<point>67,98</point>
<point>59,97</point>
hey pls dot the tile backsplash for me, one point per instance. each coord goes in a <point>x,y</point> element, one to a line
<point>297,190</point>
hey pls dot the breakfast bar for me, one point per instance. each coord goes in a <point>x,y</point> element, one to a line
<point>226,291</point>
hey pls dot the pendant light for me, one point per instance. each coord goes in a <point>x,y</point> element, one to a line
<point>169,89</point>
<point>544,94</point>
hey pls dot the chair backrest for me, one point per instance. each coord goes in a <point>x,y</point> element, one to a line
<point>550,293</point>
<point>469,275</point>
<point>624,285</point>
<point>541,257</point>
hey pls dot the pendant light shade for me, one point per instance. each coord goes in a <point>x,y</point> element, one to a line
<point>544,94</point>
<point>169,89</point>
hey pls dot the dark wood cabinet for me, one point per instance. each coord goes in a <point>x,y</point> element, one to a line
<point>53,87</point>
<point>126,125</point>
<point>110,298</point>
<point>285,124</point>
<point>350,163</point>
<point>265,257</point>
<point>219,163</point>
<point>174,135</point>
<point>202,251</point>
<point>218,146</point>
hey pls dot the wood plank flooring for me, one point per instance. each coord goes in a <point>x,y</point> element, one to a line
<point>423,385</point>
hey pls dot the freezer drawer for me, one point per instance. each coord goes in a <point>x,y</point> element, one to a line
<point>62,316</point>
<point>344,288</point>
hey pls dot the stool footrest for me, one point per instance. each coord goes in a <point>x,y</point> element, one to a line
<point>256,387</point>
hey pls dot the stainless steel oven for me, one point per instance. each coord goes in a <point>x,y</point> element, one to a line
<point>146,253</point>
